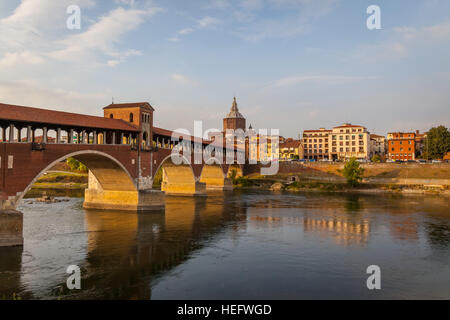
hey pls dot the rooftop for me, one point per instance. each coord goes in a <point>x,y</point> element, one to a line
<point>144,105</point>
<point>234,112</point>
<point>62,119</point>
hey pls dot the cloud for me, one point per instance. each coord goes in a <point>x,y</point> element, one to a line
<point>54,98</point>
<point>103,36</point>
<point>36,33</point>
<point>217,4</point>
<point>331,79</point>
<point>207,21</point>
<point>35,21</point>
<point>183,80</point>
<point>13,59</point>
<point>294,18</point>
<point>202,23</point>
<point>401,40</point>
<point>186,31</point>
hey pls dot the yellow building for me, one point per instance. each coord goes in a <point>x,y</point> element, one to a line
<point>291,149</point>
<point>263,148</point>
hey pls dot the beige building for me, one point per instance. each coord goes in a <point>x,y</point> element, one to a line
<point>291,149</point>
<point>316,144</point>
<point>378,146</point>
<point>349,141</point>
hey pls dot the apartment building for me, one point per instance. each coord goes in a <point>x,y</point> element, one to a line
<point>291,149</point>
<point>263,148</point>
<point>378,146</point>
<point>401,146</point>
<point>316,144</point>
<point>349,141</point>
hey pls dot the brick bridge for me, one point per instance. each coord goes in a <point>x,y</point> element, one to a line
<point>122,150</point>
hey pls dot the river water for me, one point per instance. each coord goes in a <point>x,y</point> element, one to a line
<point>242,245</point>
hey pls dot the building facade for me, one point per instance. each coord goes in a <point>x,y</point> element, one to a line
<point>378,146</point>
<point>291,149</point>
<point>316,144</point>
<point>262,148</point>
<point>401,146</point>
<point>138,114</point>
<point>349,141</point>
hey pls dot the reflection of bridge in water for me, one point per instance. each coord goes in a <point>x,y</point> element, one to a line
<point>126,252</point>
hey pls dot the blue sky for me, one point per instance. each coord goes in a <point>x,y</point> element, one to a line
<point>293,64</point>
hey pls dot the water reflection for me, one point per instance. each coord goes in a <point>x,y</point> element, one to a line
<point>241,245</point>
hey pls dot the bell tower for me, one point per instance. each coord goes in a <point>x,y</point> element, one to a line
<point>234,120</point>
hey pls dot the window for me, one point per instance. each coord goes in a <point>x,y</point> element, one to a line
<point>131,117</point>
<point>111,116</point>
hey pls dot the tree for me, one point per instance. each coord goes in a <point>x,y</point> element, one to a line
<point>353,172</point>
<point>76,165</point>
<point>437,143</point>
<point>233,176</point>
<point>376,158</point>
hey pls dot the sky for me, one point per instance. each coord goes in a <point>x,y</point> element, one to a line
<point>293,65</point>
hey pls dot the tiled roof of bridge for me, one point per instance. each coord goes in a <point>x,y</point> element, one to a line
<point>168,133</point>
<point>63,119</point>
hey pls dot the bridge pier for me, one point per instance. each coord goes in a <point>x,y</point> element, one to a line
<point>184,188</point>
<point>221,184</point>
<point>95,197</point>
<point>11,226</point>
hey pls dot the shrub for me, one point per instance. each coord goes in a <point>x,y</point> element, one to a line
<point>233,175</point>
<point>244,181</point>
<point>76,165</point>
<point>353,172</point>
<point>376,158</point>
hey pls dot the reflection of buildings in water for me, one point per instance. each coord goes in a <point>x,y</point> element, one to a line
<point>344,231</point>
<point>404,228</point>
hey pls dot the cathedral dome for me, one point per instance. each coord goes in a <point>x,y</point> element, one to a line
<point>234,112</point>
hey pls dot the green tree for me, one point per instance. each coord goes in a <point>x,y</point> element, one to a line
<point>233,176</point>
<point>76,165</point>
<point>376,158</point>
<point>437,143</point>
<point>157,181</point>
<point>353,172</point>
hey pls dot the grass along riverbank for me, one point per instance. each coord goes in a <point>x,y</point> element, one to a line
<point>282,183</point>
<point>59,184</point>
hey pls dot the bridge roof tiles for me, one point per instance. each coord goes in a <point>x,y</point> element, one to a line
<point>62,119</point>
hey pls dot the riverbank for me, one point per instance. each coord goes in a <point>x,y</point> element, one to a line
<point>277,184</point>
<point>59,184</point>
<point>404,178</point>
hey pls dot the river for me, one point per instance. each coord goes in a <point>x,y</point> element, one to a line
<point>242,245</point>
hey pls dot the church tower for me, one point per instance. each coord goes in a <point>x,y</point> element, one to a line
<point>234,120</point>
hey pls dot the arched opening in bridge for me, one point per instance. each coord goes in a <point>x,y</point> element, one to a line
<point>104,181</point>
<point>177,179</point>
<point>38,135</point>
<point>214,177</point>
<point>51,136</point>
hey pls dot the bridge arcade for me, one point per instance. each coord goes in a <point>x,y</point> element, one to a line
<point>122,150</point>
